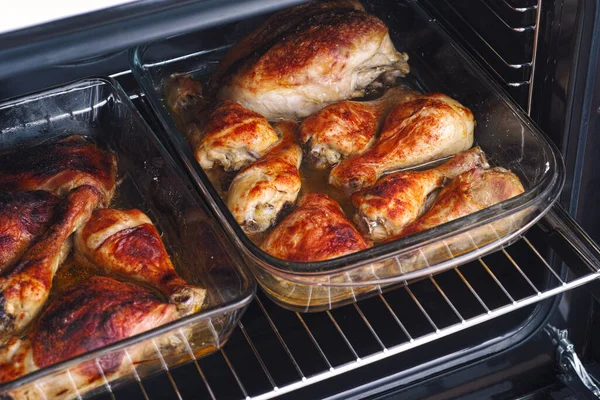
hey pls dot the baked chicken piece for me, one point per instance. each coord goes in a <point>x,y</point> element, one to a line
<point>398,199</point>
<point>427,128</point>
<point>307,57</point>
<point>60,167</point>
<point>229,135</point>
<point>126,243</point>
<point>316,230</point>
<point>24,217</point>
<point>185,97</point>
<point>469,192</point>
<point>348,127</point>
<point>90,315</point>
<point>24,291</point>
<point>259,192</point>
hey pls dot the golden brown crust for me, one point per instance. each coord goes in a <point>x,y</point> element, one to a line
<point>60,167</point>
<point>429,127</point>
<point>316,230</point>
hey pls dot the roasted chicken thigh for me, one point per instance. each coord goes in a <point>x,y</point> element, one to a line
<point>259,193</point>
<point>429,127</point>
<point>24,291</point>
<point>307,57</point>
<point>316,230</point>
<point>24,217</point>
<point>469,192</point>
<point>91,315</point>
<point>60,167</point>
<point>126,243</point>
<point>348,127</point>
<point>398,199</point>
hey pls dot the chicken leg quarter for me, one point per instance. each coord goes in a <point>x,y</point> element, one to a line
<point>427,128</point>
<point>398,199</point>
<point>25,290</point>
<point>126,243</point>
<point>91,315</point>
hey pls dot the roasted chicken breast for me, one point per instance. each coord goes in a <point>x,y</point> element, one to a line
<point>348,127</point>
<point>469,192</point>
<point>316,230</point>
<point>398,199</point>
<point>91,315</point>
<point>24,217</point>
<point>60,167</point>
<point>125,243</point>
<point>307,57</point>
<point>259,193</point>
<point>427,128</point>
<point>24,291</point>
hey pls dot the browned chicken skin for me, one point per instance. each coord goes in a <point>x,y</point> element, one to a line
<point>307,57</point>
<point>60,167</point>
<point>91,315</point>
<point>398,199</point>
<point>229,135</point>
<point>24,216</point>
<point>469,192</point>
<point>126,243</point>
<point>427,128</point>
<point>348,127</point>
<point>259,193</point>
<point>24,291</point>
<point>184,97</point>
<point>316,230</point>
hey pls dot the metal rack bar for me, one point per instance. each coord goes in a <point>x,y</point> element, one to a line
<point>343,335</point>
<point>512,28</point>
<point>165,367</point>
<point>411,294</point>
<point>500,285</point>
<point>366,321</point>
<point>235,375</point>
<point>520,9</point>
<point>193,356</point>
<point>257,355</point>
<point>136,375</point>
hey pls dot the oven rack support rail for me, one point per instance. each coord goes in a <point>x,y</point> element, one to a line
<point>520,261</point>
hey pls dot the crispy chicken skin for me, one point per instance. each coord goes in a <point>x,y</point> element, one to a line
<point>91,315</point>
<point>24,291</point>
<point>316,230</point>
<point>259,192</point>
<point>126,243</point>
<point>348,127</point>
<point>320,54</point>
<point>469,192</point>
<point>60,167</point>
<point>24,217</point>
<point>229,135</point>
<point>398,199</point>
<point>429,127</point>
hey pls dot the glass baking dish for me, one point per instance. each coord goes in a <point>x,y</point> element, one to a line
<point>437,63</point>
<point>151,181</point>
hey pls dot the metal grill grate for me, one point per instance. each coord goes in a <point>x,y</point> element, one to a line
<point>275,351</point>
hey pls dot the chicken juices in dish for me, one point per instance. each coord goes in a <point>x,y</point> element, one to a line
<point>60,167</point>
<point>125,243</point>
<point>24,217</point>
<point>258,193</point>
<point>469,192</point>
<point>398,199</point>
<point>307,57</point>
<point>90,315</point>
<point>427,128</point>
<point>348,127</point>
<point>316,230</point>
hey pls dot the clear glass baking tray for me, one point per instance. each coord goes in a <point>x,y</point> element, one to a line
<point>151,181</point>
<point>506,134</point>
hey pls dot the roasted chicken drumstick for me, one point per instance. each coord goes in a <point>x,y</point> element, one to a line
<point>24,217</point>
<point>469,192</point>
<point>307,57</point>
<point>316,230</point>
<point>127,244</point>
<point>259,193</point>
<point>429,127</point>
<point>24,291</point>
<point>348,127</point>
<point>398,199</point>
<point>60,167</point>
<point>91,315</point>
